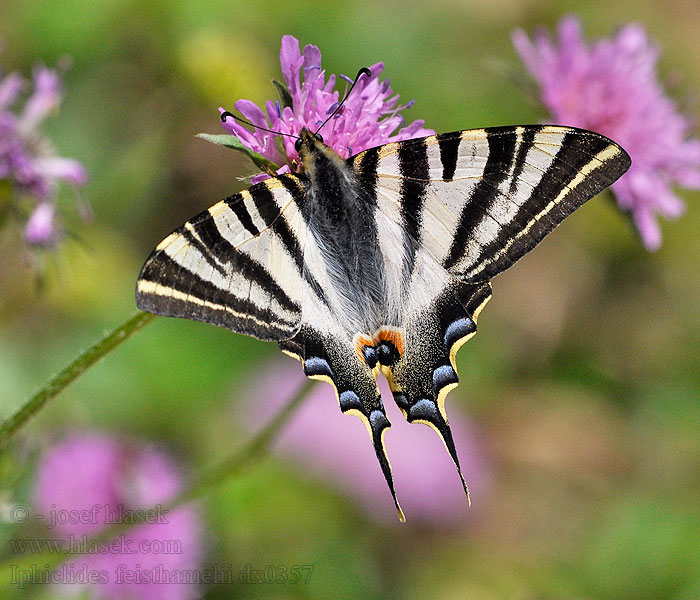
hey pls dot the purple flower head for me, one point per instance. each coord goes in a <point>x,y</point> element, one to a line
<point>27,160</point>
<point>611,86</point>
<point>100,480</point>
<point>333,447</point>
<point>369,117</point>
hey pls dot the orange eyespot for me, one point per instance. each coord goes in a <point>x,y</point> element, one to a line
<point>391,334</point>
<point>361,342</point>
<point>385,347</point>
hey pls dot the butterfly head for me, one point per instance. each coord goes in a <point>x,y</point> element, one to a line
<point>313,151</point>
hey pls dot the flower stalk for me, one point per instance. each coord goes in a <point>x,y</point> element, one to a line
<point>254,450</point>
<point>59,382</point>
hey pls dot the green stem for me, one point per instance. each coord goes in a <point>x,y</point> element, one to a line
<point>254,450</point>
<point>60,381</point>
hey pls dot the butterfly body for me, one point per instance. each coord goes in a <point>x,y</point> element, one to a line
<point>379,262</point>
<point>340,217</point>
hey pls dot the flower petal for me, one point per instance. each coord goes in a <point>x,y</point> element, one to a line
<point>611,86</point>
<point>290,61</point>
<point>45,98</point>
<point>41,228</point>
<point>10,88</point>
<point>66,169</point>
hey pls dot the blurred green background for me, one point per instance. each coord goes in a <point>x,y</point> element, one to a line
<point>584,378</point>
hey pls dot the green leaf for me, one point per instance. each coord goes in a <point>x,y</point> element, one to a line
<point>233,142</point>
<point>282,90</point>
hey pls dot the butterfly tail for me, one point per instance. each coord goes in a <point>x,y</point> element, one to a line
<point>329,359</point>
<point>426,371</point>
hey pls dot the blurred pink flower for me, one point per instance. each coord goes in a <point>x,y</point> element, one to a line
<point>611,87</point>
<point>27,159</point>
<point>41,228</point>
<point>104,476</point>
<point>368,118</point>
<point>334,447</point>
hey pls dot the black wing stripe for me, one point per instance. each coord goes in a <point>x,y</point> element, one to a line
<point>236,204</point>
<point>415,172</point>
<point>449,153</point>
<point>576,152</point>
<point>204,250</point>
<point>485,193</point>
<point>367,173</point>
<point>239,261</point>
<point>169,274</point>
<point>526,144</point>
<point>571,158</point>
<point>583,166</point>
<point>207,230</point>
<point>274,219</point>
<point>298,193</point>
<point>293,186</point>
<point>505,228</point>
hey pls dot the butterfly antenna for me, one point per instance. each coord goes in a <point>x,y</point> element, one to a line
<point>362,71</point>
<point>226,114</point>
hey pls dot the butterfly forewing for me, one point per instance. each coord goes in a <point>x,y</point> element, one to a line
<point>238,264</point>
<point>485,197</point>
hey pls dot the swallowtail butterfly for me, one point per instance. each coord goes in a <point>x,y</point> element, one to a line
<point>380,262</point>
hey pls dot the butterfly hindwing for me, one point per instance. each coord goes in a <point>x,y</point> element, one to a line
<point>424,370</point>
<point>332,358</point>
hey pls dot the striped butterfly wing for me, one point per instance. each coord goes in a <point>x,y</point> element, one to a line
<point>470,204</point>
<point>478,200</point>
<point>238,265</point>
<point>432,219</point>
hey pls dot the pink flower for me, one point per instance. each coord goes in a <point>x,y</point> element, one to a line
<point>27,160</point>
<point>334,447</point>
<point>611,86</point>
<point>369,117</point>
<point>100,479</point>
<point>41,229</point>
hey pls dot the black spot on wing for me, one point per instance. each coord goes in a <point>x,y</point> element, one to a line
<point>457,329</point>
<point>442,376</point>
<point>315,366</point>
<point>349,400</point>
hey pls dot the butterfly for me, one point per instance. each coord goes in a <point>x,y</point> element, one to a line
<point>382,261</point>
